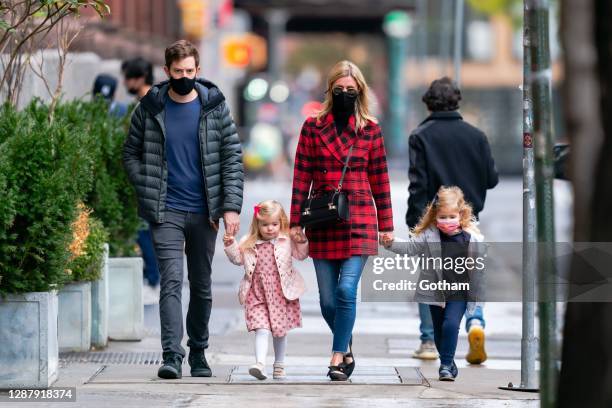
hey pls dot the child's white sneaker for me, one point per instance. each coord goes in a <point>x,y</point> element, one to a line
<point>279,371</point>
<point>258,371</point>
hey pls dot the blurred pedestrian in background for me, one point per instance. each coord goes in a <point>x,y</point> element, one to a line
<point>446,151</point>
<point>105,86</point>
<point>137,76</point>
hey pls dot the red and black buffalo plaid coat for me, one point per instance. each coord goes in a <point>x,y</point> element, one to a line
<point>319,159</point>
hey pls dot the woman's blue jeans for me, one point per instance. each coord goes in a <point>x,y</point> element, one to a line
<point>338,280</point>
<point>446,322</point>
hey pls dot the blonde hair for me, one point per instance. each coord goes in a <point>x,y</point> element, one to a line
<point>362,104</point>
<point>268,208</point>
<point>451,198</point>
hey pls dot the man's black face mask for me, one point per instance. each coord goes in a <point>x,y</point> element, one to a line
<point>182,86</point>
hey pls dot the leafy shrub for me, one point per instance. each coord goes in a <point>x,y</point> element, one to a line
<point>46,168</point>
<point>112,197</point>
<point>7,212</point>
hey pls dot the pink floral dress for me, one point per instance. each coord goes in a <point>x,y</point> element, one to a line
<point>266,307</point>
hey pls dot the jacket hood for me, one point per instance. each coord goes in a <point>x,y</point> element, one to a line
<point>209,94</point>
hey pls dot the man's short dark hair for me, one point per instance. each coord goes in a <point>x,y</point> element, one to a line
<point>181,49</point>
<point>138,68</point>
<point>442,95</point>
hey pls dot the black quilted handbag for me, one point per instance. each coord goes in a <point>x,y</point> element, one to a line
<point>324,208</point>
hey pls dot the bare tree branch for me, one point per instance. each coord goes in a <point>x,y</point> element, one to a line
<point>21,24</point>
<point>64,42</point>
<point>39,29</point>
<point>39,72</point>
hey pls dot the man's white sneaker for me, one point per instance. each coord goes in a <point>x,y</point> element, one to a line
<point>426,351</point>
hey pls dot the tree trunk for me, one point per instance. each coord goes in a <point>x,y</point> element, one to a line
<point>586,374</point>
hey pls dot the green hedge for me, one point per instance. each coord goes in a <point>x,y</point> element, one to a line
<point>7,213</point>
<point>112,198</point>
<point>46,170</point>
<point>88,265</point>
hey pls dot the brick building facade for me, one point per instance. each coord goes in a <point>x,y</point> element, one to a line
<point>134,27</point>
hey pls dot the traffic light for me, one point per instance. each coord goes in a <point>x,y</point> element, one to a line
<point>245,50</point>
<point>236,52</point>
<point>195,17</point>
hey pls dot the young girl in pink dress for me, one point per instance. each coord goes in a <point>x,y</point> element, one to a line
<point>271,287</point>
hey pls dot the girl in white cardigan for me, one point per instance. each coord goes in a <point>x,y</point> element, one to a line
<point>447,230</point>
<point>271,287</point>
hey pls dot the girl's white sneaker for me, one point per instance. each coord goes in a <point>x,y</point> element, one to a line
<point>258,371</point>
<point>279,371</point>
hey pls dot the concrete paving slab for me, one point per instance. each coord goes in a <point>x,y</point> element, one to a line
<point>76,374</point>
<point>475,383</point>
<point>138,374</point>
<point>317,375</point>
<point>412,376</point>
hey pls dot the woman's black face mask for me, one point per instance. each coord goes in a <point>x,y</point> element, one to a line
<point>344,101</point>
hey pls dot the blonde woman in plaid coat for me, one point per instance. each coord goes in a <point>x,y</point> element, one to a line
<point>339,251</point>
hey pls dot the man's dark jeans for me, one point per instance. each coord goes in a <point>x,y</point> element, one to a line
<point>193,234</point>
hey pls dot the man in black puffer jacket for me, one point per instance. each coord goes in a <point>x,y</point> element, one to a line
<point>184,157</point>
<point>446,151</point>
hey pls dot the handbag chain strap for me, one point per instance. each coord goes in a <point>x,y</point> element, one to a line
<point>348,157</point>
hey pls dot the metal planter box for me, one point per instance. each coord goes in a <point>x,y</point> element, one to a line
<point>126,307</point>
<point>74,322</point>
<point>28,337</point>
<point>99,306</point>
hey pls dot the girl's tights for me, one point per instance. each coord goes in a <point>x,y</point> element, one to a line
<point>261,346</point>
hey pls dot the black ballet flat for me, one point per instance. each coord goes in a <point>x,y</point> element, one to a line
<point>349,367</point>
<point>336,373</point>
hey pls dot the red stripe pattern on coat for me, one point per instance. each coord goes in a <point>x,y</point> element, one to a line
<point>319,160</point>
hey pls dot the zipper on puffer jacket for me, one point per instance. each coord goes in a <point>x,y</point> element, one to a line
<point>203,154</point>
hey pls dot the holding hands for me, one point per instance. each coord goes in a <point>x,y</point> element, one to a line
<point>297,235</point>
<point>386,238</point>
<point>231,220</point>
<point>228,239</point>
